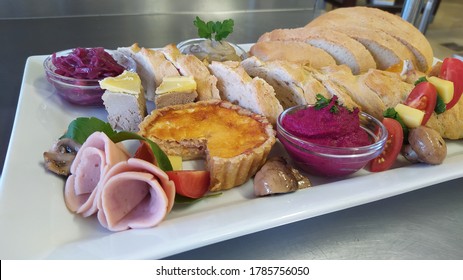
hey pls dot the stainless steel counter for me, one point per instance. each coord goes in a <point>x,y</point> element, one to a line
<point>423,224</point>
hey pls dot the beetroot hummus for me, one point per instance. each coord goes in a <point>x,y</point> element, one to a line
<point>328,125</point>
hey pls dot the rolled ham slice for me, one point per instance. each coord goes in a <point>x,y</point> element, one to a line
<point>94,159</point>
<point>135,194</point>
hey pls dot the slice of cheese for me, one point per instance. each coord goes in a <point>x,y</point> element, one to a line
<point>444,88</point>
<point>127,82</point>
<point>412,117</point>
<point>177,84</point>
<point>176,162</point>
<point>124,101</point>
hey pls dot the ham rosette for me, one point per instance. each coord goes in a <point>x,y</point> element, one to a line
<point>135,194</point>
<point>94,159</point>
<point>125,192</point>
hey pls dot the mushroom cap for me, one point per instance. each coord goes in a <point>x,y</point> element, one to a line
<point>428,144</point>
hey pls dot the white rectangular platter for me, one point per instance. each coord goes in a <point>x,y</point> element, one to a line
<point>35,223</point>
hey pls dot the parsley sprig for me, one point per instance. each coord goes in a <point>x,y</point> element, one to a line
<point>214,30</point>
<point>323,102</point>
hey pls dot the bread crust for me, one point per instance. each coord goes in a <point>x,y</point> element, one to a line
<point>341,47</point>
<point>190,65</point>
<point>238,87</point>
<point>292,51</point>
<point>379,20</point>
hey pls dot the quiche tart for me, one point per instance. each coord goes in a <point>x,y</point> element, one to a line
<point>234,141</point>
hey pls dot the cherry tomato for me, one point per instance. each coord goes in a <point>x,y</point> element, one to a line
<point>392,148</point>
<point>190,183</point>
<point>452,70</point>
<point>423,97</point>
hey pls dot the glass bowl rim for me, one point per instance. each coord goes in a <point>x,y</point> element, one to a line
<point>70,81</point>
<point>198,40</point>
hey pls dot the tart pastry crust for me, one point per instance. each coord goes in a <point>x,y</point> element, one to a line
<point>234,141</point>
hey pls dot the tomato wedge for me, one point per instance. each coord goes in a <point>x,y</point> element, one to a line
<point>392,148</point>
<point>144,152</point>
<point>423,97</point>
<point>452,70</point>
<point>190,183</point>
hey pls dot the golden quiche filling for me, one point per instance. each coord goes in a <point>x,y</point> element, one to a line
<point>228,134</point>
<point>234,141</point>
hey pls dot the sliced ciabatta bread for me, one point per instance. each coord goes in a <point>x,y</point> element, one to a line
<point>293,51</point>
<point>291,82</point>
<point>254,94</point>
<point>160,65</point>
<point>359,92</point>
<point>190,65</point>
<point>333,88</point>
<point>341,47</point>
<point>385,49</point>
<point>145,68</point>
<point>376,19</point>
<point>389,86</point>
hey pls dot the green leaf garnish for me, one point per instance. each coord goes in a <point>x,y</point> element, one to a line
<point>214,30</point>
<point>81,128</point>
<point>440,105</point>
<point>392,113</point>
<point>321,102</point>
<point>420,80</point>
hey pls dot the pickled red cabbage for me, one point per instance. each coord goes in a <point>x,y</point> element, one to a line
<point>87,63</point>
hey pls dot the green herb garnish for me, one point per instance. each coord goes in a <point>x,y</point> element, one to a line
<point>420,80</point>
<point>440,105</point>
<point>81,128</point>
<point>214,30</point>
<point>392,113</point>
<point>323,102</point>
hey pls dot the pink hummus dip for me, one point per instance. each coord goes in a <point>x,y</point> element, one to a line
<point>332,125</point>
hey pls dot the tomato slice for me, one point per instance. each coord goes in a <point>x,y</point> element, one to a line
<point>452,70</point>
<point>423,97</point>
<point>392,148</point>
<point>190,183</point>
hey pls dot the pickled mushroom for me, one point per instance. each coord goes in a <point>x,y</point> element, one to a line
<point>277,176</point>
<point>212,50</point>
<point>60,157</point>
<point>425,145</point>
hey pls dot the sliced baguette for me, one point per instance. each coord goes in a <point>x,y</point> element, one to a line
<point>376,19</point>
<point>161,66</point>
<point>293,85</point>
<point>145,69</point>
<point>359,92</point>
<point>385,49</point>
<point>334,89</point>
<point>293,51</point>
<point>254,94</point>
<point>190,65</point>
<point>389,86</point>
<point>341,47</point>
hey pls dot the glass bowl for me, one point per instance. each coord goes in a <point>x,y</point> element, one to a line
<point>82,91</point>
<point>328,161</point>
<point>192,46</point>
